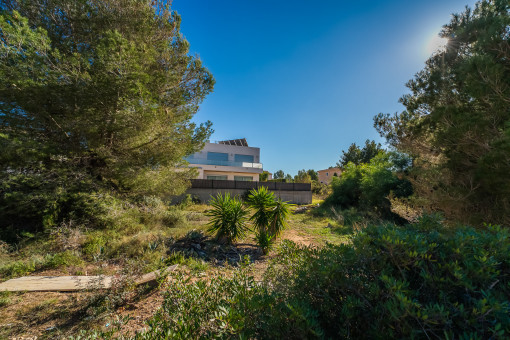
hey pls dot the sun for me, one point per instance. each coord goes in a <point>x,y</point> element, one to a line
<point>436,44</point>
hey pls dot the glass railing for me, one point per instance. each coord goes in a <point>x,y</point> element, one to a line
<point>192,160</point>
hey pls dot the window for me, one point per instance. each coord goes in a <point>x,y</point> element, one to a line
<point>243,158</point>
<point>217,178</point>
<point>243,178</point>
<point>217,156</point>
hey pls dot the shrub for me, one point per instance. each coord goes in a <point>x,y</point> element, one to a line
<point>228,218</point>
<point>229,308</point>
<point>265,241</point>
<point>66,258</point>
<point>421,281</point>
<point>270,216</point>
<point>367,186</point>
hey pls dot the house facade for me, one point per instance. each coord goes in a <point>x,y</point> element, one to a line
<point>230,160</point>
<point>325,176</point>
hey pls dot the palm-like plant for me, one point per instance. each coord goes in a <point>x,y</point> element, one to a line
<point>228,218</point>
<point>262,200</point>
<point>279,214</point>
<point>270,216</point>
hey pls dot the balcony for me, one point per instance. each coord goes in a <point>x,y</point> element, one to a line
<point>204,161</point>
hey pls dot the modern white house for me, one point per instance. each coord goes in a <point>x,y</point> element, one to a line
<point>227,160</point>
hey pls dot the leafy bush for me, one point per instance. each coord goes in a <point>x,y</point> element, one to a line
<point>265,241</point>
<point>230,308</point>
<point>422,281</point>
<point>320,189</point>
<point>228,217</point>
<point>419,281</point>
<point>367,186</point>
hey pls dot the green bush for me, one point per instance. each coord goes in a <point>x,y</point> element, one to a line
<point>66,258</point>
<point>229,308</point>
<point>422,281</point>
<point>367,186</point>
<point>17,268</point>
<point>419,281</point>
<point>228,218</point>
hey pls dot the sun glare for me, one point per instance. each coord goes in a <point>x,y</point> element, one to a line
<point>435,44</point>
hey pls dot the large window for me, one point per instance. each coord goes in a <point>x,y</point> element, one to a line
<point>217,156</point>
<point>243,178</point>
<point>244,158</point>
<point>217,177</point>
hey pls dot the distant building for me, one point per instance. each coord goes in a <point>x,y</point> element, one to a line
<point>325,176</point>
<point>230,160</point>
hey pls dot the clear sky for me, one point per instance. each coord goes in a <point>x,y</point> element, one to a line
<point>303,80</point>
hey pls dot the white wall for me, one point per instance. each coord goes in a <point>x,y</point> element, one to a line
<point>231,150</point>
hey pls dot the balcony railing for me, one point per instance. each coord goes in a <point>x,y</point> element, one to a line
<point>204,161</point>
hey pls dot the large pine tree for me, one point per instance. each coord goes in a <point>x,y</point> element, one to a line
<point>457,119</point>
<point>96,93</point>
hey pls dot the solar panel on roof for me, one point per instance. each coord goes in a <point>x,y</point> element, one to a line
<point>237,142</point>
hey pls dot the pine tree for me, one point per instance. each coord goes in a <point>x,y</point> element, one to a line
<point>94,95</point>
<point>105,87</point>
<point>457,119</point>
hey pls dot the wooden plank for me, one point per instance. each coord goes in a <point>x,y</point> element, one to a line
<point>153,276</point>
<point>56,283</point>
<point>70,283</point>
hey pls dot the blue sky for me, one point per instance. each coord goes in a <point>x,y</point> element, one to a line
<point>303,80</point>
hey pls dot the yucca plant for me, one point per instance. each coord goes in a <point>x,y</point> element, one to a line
<point>278,217</point>
<point>262,200</point>
<point>228,218</point>
<point>265,241</point>
<point>270,216</point>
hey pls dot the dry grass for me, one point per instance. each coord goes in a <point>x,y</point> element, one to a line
<point>139,242</point>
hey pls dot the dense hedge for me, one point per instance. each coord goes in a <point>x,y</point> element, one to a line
<point>419,281</point>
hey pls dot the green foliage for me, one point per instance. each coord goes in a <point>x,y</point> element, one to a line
<point>314,175</point>
<point>359,156</point>
<point>367,186</point>
<point>457,120</point>
<point>5,299</point>
<point>264,176</point>
<point>303,176</point>
<point>195,265</point>
<point>319,188</point>
<point>49,261</point>
<point>228,308</point>
<point>279,174</point>
<point>280,213</point>
<point>271,214</point>
<point>265,241</point>
<point>228,217</point>
<point>419,281</point>
<point>261,200</point>
<point>99,99</point>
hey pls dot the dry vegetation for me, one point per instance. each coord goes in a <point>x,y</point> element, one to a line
<point>141,240</point>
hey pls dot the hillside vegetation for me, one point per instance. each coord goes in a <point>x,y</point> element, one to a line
<point>96,107</point>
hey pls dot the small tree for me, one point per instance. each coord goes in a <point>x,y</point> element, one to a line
<point>264,176</point>
<point>279,174</point>
<point>358,155</point>
<point>303,176</point>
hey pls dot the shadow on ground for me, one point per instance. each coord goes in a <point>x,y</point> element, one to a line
<point>197,245</point>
